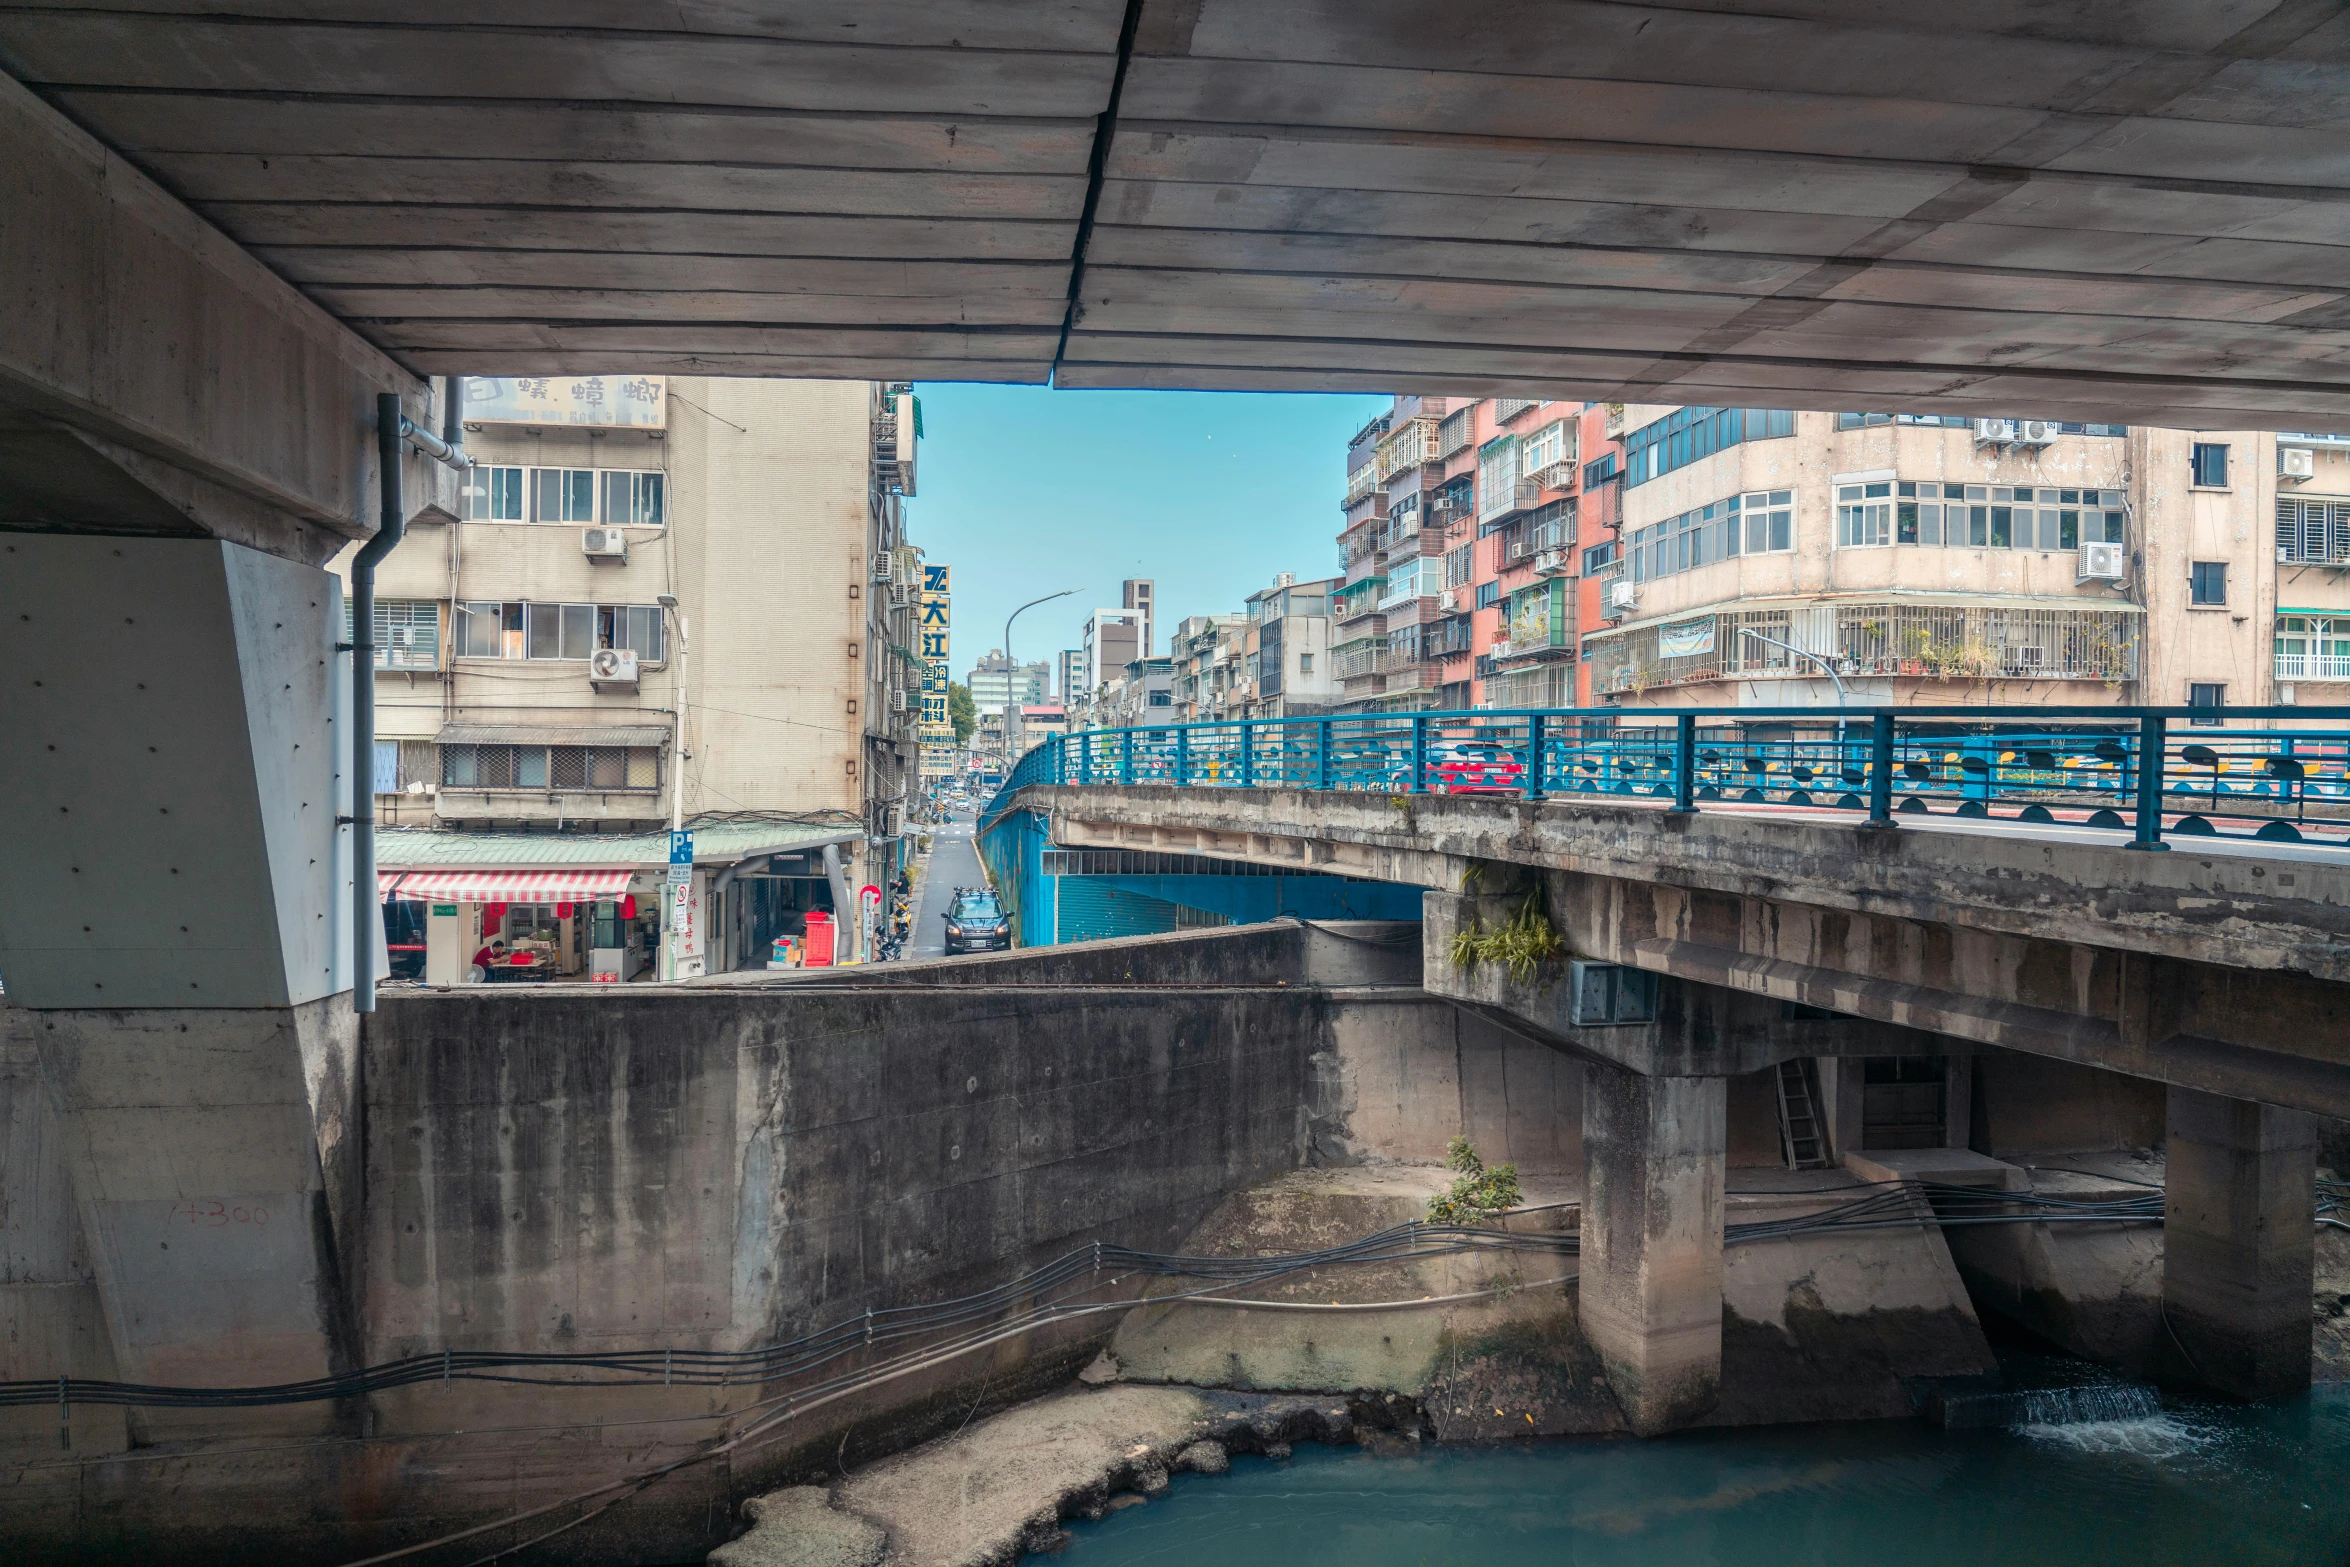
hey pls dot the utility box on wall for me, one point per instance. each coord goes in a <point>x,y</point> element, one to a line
<point>1603,995</point>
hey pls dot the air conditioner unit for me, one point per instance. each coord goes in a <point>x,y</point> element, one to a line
<point>2103,562</point>
<point>605,544</point>
<point>2035,432</point>
<point>1551,563</point>
<point>904,701</point>
<point>1994,432</point>
<point>1449,601</point>
<point>612,668</point>
<point>2296,463</point>
<point>885,566</point>
<point>1558,476</point>
<point>1622,595</point>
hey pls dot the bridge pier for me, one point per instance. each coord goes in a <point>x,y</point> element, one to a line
<point>2238,1231</point>
<point>174,930</point>
<point>1651,1279</point>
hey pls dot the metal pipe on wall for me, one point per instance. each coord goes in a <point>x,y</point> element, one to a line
<point>390,425</point>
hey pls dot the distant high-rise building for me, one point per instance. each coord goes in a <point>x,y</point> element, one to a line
<point>1072,662</point>
<point>1114,638</point>
<point>997,685</point>
<point>1137,594</point>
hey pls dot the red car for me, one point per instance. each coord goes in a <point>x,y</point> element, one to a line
<point>1461,767</point>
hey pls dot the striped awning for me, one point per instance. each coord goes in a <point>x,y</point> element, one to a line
<point>573,884</point>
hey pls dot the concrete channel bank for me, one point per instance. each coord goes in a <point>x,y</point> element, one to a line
<point>723,1166</point>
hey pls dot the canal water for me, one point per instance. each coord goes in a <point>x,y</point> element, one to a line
<point>2177,1483</point>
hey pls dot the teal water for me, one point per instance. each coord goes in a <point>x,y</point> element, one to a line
<point>2193,1484</point>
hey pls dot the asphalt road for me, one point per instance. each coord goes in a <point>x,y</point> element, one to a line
<point>954,862</point>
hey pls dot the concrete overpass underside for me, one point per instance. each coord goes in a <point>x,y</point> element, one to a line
<point>2119,211</point>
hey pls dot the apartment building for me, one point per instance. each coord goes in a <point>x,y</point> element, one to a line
<point>1768,558</point>
<point>1285,666</point>
<point>996,684</point>
<point>1112,639</point>
<point>1458,553</point>
<point>687,595</point>
<point>1204,653</point>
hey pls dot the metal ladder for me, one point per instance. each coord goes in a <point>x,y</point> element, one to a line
<point>1799,1121</point>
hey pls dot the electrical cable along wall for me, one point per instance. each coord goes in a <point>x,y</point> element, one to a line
<point>875,1344</point>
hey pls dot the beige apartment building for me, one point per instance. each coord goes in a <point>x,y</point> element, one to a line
<point>691,596</point>
<point>1933,560</point>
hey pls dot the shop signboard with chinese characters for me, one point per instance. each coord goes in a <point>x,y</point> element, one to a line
<point>934,620</point>
<point>628,402</point>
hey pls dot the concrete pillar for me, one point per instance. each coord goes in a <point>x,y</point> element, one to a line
<point>174,921</point>
<point>2238,1231</point>
<point>1651,1286</point>
<point>1841,1092</point>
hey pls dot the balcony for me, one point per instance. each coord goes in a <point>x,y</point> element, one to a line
<point>1407,446</point>
<point>2313,666</point>
<point>1361,482</point>
<point>1369,658</point>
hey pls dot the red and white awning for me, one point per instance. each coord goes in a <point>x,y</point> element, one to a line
<point>443,885</point>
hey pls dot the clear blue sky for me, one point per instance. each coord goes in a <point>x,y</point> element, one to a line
<point>1025,490</point>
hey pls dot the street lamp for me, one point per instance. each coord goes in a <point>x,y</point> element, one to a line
<point>1826,668</point>
<point>1012,665</point>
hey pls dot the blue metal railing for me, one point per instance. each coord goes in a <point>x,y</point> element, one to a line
<point>2152,772</point>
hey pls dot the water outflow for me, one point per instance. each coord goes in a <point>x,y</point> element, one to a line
<point>2070,1406</point>
<point>2100,1403</point>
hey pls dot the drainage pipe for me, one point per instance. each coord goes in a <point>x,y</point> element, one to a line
<point>390,426</point>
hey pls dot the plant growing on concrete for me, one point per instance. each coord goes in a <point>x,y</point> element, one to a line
<point>1524,944</point>
<point>1480,1195</point>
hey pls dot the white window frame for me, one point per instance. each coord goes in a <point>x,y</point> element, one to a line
<point>1758,503</point>
<point>647,489</point>
<point>1863,521</point>
<point>1545,448</point>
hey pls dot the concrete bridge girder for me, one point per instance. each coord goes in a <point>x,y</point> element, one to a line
<point>2214,971</point>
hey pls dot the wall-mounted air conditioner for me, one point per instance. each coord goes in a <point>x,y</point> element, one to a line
<point>605,545</point>
<point>2035,432</point>
<point>1551,563</point>
<point>885,566</point>
<point>1994,432</point>
<point>612,669</point>
<point>2100,562</point>
<point>1449,601</point>
<point>1622,595</point>
<point>2296,463</point>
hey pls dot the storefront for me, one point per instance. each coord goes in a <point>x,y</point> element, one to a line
<point>575,924</point>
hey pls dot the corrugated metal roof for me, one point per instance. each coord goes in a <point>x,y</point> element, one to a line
<point>553,734</point>
<point>400,848</point>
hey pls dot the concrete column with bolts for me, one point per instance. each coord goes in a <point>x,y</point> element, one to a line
<point>175,927</point>
<point>1651,1286</point>
<point>2239,1226</point>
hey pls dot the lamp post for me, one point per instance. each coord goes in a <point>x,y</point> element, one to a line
<point>1825,668</point>
<point>1012,665</point>
<point>669,934</point>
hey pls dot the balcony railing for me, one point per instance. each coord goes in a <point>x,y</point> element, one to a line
<point>2313,666</point>
<point>1370,659</point>
<point>1407,446</point>
<point>1361,482</point>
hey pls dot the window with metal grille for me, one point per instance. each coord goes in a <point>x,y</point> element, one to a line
<point>550,767</point>
<point>2313,531</point>
<point>407,633</point>
<point>1507,408</point>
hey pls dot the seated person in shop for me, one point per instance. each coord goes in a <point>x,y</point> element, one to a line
<point>491,955</point>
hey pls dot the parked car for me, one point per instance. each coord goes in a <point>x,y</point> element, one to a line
<point>1463,767</point>
<point>976,922</point>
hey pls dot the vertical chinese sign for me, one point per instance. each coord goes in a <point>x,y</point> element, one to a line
<point>937,733</point>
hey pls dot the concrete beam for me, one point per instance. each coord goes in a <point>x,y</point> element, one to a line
<point>2222,969</point>
<point>157,380</point>
<point>2238,1244</point>
<point>1651,1280</point>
